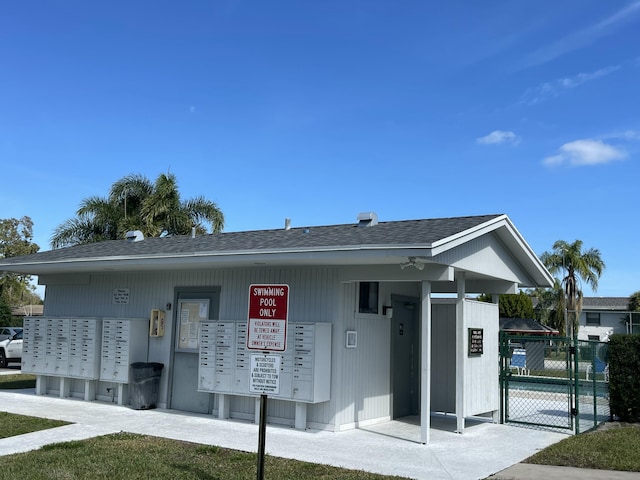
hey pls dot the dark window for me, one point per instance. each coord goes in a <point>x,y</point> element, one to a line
<point>368,298</point>
<point>594,337</point>
<point>593,318</point>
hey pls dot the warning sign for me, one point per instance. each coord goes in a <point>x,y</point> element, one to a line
<point>265,374</point>
<point>268,314</point>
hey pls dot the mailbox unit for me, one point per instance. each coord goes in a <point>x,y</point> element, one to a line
<point>124,341</point>
<point>61,347</point>
<point>305,367</point>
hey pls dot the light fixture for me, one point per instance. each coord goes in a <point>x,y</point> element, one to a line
<point>413,262</point>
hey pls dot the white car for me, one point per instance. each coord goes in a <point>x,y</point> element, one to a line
<point>11,349</point>
<point>6,332</point>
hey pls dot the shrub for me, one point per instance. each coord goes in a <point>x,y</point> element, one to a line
<point>624,381</point>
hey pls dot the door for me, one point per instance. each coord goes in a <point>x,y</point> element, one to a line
<point>405,351</point>
<point>192,306</point>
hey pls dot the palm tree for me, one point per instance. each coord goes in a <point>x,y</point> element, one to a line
<point>134,203</point>
<point>550,306</point>
<point>575,266</point>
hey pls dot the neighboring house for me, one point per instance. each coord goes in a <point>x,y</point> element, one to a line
<point>27,310</point>
<point>603,316</point>
<point>367,338</point>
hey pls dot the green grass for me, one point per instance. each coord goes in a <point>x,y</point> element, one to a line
<point>132,457</point>
<point>11,425</point>
<point>17,381</point>
<point>612,447</point>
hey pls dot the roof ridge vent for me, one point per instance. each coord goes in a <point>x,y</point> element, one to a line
<point>134,236</point>
<point>367,219</point>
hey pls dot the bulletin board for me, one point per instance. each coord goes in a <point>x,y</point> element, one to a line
<point>190,313</point>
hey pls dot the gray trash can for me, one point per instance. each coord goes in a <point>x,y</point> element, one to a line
<point>145,384</point>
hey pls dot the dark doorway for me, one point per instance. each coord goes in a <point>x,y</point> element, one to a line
<point>405,351</point>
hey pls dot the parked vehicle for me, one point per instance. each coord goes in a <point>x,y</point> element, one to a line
<point>11,349</point>
<point>6,332</point>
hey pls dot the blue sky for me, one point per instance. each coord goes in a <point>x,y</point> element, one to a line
<point>319,110</point>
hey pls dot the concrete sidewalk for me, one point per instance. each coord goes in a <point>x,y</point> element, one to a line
<point>524,471</point>
<point>390,448</point>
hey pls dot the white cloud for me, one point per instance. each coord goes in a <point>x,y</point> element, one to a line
<point>497,137</point>
<point>626,135</point>
<point>583,38</point>
<point>552,89</point>
<point>585,152</point>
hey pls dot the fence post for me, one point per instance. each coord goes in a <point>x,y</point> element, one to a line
<point>576,393</point>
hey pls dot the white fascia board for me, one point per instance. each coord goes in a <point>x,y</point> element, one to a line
<point>356,255</point>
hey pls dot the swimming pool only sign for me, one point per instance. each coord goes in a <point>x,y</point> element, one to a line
<point>268,315</point>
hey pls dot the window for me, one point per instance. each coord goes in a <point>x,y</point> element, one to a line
<point>368,298</point>
<point>593,318</point>
<point>594,337</point>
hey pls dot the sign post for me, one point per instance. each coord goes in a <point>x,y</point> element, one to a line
<point>266,332</point>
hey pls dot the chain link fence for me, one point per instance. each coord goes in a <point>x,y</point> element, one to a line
<point>553,382</point>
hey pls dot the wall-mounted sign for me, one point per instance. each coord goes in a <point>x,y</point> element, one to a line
<point>268,314</point>
<point>121,296</point>
<point>476,341</point>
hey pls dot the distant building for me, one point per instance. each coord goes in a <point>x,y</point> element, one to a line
<point>27,311</point>
<point>603,316</point>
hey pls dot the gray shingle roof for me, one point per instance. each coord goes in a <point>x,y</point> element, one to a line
<point>605,303</point>
<point>525,325</point>
<point>409,233</point>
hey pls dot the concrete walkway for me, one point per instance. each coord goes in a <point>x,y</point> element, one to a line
<point>390,448</point>
<point>524,471</point>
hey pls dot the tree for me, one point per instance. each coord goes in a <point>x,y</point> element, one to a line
<point>575,266</point>
<point>634,302</point>
<point>550,306</point>
<point>516,306</point>
<point>16,235</point>
<point>134,203</point>
<point>511,305</point>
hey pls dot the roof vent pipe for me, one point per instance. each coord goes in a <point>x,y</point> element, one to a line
<point>287,224</point>
<point>193,232</point>
<point>367,219</point>
<point>134,236</point>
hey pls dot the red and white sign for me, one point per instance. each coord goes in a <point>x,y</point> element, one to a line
<point>268,315</point>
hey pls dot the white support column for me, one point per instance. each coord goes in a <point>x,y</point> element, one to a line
<point>300,421</point>
<point>41,385</point>
<point>65,387</point>
<point>496,413</point>
<point>425,364</point>
<point>224,403</point>
<point>89,390</point>
<point>460,339</point>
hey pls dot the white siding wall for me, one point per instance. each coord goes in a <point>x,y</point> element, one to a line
<point>363,388</point>
<point>360,377</point>
<point>481,382</point>
<point>610,323</point>
<point>313,298</point>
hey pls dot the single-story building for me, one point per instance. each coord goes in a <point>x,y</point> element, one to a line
<point>367,340</point>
